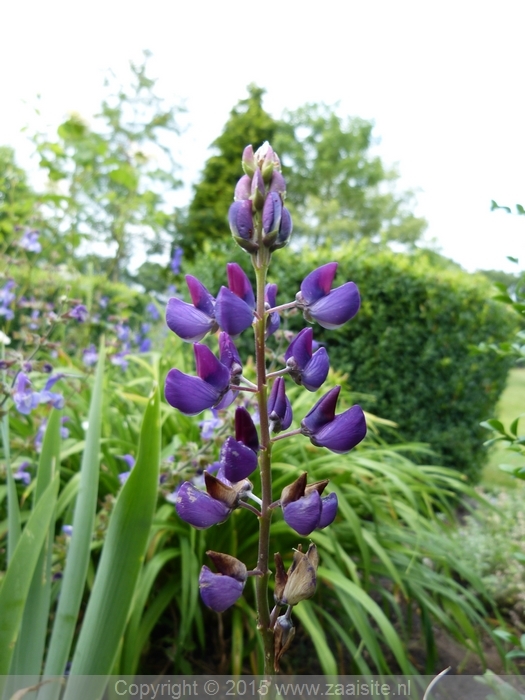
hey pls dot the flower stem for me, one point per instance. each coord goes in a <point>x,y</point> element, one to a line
<point>261,262</point>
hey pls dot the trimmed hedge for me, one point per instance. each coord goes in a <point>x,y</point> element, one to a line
<point>410,345</point>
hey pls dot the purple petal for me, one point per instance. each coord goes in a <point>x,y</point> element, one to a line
<point>241,219</point>
<point>219,592</point>
<point>318,283</point>
<point>316,371</point>
<point>186,321</point>
<point>304,515</point>
<point>228,353</point>
<point>245,430</point>
<point>279,407</point>
<point>277,183</point>
<point>336,308</point>
<point>301,348</point>
<point>232,313</point>
<point>322,413</point>
<point>200,296</point>
<point>198,508</point>
<point>189,394</point>
<point>243,188</point>
<point>343,433</point>
<point>328,510</point>
<point>272,212</point>
<point>238,461</point>
<point>210,369</point>
<point>239,284</point>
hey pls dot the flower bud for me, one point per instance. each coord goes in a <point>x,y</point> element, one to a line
<point>271,217</point>
<point>257,190</point>
<point>284,632</point>
<point>248,161</point>
<point>243,188</point>
<point>241,224</point>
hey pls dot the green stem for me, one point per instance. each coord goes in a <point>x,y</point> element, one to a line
<point>261,262</point>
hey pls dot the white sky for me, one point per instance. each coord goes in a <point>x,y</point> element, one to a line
<point>442,81</point>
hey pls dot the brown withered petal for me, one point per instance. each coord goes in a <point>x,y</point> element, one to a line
<point>294,491</point>
<point>318,486</point>
<point>302,576</point>
<point>280,578</point>
<point>220,491</point>
<point>228,565</point>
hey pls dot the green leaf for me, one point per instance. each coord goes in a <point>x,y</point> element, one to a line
<point>79,552</point>
<point>17,580</point>
<point>27,660</point>
<point>125,175</point>
<point>121,560</point>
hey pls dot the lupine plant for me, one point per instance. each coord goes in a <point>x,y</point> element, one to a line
<point>261,225</point>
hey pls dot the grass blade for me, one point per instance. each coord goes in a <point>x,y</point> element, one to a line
<point>16,582</point>
<point>79,552</point>
<point>121,561</point>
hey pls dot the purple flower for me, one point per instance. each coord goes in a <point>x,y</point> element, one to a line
<point>209,426</point>
<point>24,397</point>
<point>191,322</point>
<point>303,508</point>
<point>274,320</point>
<point>152,311</point>
<point>229,356</point>
<point>329,307</point>
<point>339,433</point>
<point>30,242</point>
<point>176,260</point>
<point>240,218</point>
<point>279,407</point>
<point>79,313</point>
<point>235,305</point>
<point>239,455</point>
<point>202,509</point>
<point>210,389</point>
<point>220,591</point>
<point>144,344</point>
<point>129,459</point>
<point>67,530</point>
<point>21,473</point>
<point>6,298</point>
<point>306,368</point>
<point>48,396</point>
<point>118,359</point>
<point>90,356</point>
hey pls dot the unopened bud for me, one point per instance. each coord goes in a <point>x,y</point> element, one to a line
<point>284,633</point>
<point>243,188</point>
<point>257,190</point>
<point>248,161</point>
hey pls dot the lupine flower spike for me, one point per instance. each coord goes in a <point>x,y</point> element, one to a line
<point>260,225</point>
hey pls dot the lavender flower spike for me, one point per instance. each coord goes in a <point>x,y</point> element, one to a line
<point>220,591</point>
<point>331,308</point>
<point>209,389</point>
<point>306,368</point>
<point>192,322</point>
<point>339,433</point>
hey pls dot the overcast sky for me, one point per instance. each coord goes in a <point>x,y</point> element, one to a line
<point>442,81</point>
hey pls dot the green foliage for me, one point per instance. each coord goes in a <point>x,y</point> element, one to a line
<point>116,173</point>
<point>491,544</point>
<point>339,191</point>
<point>407,351</point>
<point>17,199</point>
<point>206,218</point>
